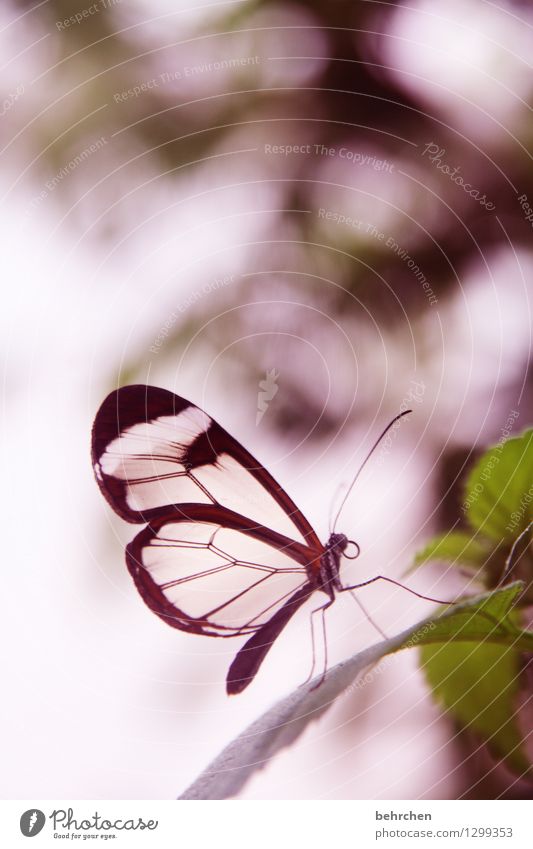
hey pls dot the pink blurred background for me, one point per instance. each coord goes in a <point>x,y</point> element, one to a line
<point>155,231</point>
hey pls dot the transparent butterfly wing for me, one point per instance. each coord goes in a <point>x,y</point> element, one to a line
<point>153,450</point>
<point>210,571</point>
<point>225,547</point>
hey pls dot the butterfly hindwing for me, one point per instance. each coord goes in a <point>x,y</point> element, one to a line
<point>212,572</point>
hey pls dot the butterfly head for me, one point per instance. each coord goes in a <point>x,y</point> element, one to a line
<point>339,544</point>
<point>336,547</point>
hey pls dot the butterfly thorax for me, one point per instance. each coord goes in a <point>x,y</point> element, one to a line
<point>328,578</point>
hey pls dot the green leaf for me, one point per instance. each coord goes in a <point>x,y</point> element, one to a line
<point>499,489</point>
<point>478,684</point>
<point>455,547</point>
<point>486,617</point>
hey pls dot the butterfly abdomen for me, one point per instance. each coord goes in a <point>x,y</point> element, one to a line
<point>246,665</point>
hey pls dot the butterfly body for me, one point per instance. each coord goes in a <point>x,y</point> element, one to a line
<point>224,552</point>
<point>329,577</point>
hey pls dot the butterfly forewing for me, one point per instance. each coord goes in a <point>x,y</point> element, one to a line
<point>153,449</point>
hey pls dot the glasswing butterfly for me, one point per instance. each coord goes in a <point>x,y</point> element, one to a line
<point>225,552</point>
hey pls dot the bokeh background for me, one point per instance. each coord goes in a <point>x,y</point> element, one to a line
<point>197,196</point>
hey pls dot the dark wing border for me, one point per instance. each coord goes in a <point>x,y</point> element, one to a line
<point>118,412</point>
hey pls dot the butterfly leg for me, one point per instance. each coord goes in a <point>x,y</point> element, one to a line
<point>313,641</point>
<point>367,614</point>
<point>322,609</point>
<point>396,584</point>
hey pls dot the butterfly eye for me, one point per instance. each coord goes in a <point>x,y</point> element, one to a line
<point>352,550</point>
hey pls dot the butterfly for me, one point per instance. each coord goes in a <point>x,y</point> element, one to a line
<point>225,552</point>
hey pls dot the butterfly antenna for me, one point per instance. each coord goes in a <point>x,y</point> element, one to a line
<point>332,506</point>
<point>365,461</point>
